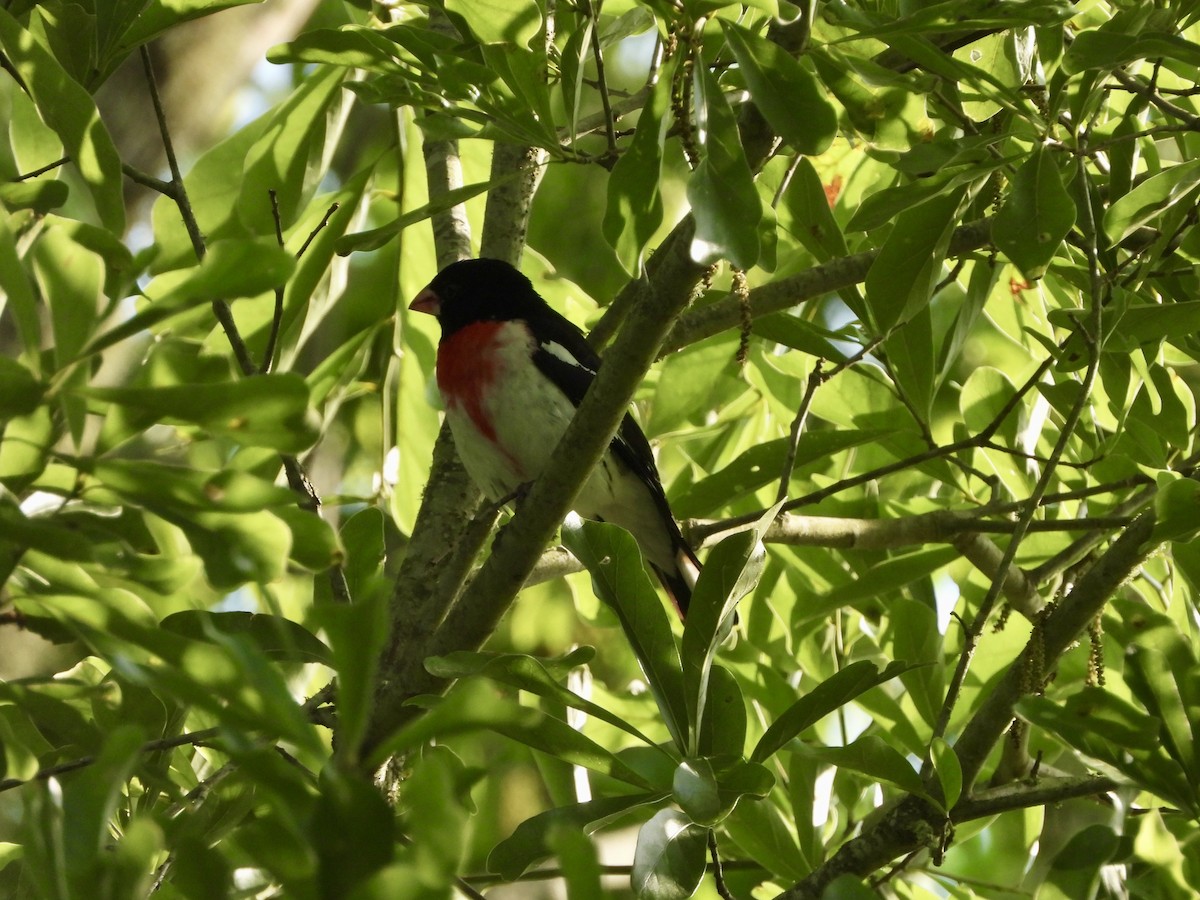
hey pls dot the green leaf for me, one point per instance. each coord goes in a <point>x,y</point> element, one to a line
<point>39,195</point>
<point>723,727</point>
<point>948,770</point>
<point>761,465</point>
<point>902,277</point>
<point>1150,199</point>
<point>812,221</point>
<point>910,358</point>
<point>238,548</point>
<point>90,800</point>
<point>721,191</point>
<point>888,576</point>
<point>351,831</point>
<point>351,46</point>
<point>1117,733</point>
<point>436,806</point>
<point>470,706</point>
<point>529,674</point>
<point>787,95</point>
<point>835,691</point>
<point>1169,697</point>
<point>635,206</point>
<point>228,187</point>
<point>356,634</point>
<point>66,107</point>
<point>612,557</point>
<point>20,392</point>
<point>16,292</point>
<point>315,545</point>
<point>743,780</point>
<point>873,757</point>
<point>72,282</point>
<point>530,842</point>
<point>1036,216</point>
<point>729,574</point>
<point>279,638</point>
<point>263,411</point>
<point>559,740</point>
<point>232,268</point>
<point>363,537</point>
<point>159,16</point>
<point>1098,712</point>
<point>695,790</point>
<point>707,795</point>
<point>282,159</point>
<point>168,488</point>
<point>378,237</point>
<point>128,866</point>
<point>1075,871</point>
<point>499,21</point>
<point>916,638</point>
<point>1176,508</point>
<point>670,857</point>
<point>1108,49</point>
<point>848,887</point>
<point>768,834</point>
<point>27,441</point>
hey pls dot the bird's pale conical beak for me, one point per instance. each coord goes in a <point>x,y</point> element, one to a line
<point>426,302</point>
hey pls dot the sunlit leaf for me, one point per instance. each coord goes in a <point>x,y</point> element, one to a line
<point>1150,199</point>
<point>612,557</point>
<point>1037,215</point>
<point>669,861</point>
<point>635,207</point>
<point>67,108</point>
<point>786,94</point>
<point>724,202</point>
<point>530,842</point>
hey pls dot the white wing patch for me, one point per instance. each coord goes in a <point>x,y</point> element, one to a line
<point>558,351</point>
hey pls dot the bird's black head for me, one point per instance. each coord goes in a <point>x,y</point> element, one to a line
<point>479,290</point>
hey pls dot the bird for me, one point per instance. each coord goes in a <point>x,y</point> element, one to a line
<point>512,372</point>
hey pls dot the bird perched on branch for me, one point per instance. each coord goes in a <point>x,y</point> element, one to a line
<point>512,372</point>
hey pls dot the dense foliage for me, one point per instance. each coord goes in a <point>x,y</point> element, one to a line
<point>922,280</point>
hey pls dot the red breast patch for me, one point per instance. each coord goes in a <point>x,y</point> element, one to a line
<point>467,366</point>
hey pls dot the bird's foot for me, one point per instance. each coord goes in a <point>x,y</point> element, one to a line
<point>514,498</point>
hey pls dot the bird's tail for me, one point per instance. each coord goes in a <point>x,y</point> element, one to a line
<point>679,581</point>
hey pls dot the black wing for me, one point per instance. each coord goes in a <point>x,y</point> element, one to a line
<point>629,444</point>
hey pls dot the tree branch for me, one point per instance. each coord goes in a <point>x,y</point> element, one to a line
<point>1022,795</point>
<point>419,597</point>
<point>441,550</point>
<point>915,822</point>
<point>726,313</point>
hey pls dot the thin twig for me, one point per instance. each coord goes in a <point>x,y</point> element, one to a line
<point>44,169</point>
<point>815,379</point>
<point>718,873</point>
<point>891,468</point>
<point>268,359</point>
<point>602,84</point>
<point>312,235</point>
<point>166,188</point>
<point>74,765</point>
<point>268,356</point>
<point>181,198</point>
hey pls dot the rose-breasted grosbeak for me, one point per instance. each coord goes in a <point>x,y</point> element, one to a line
<point>512,372</point>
